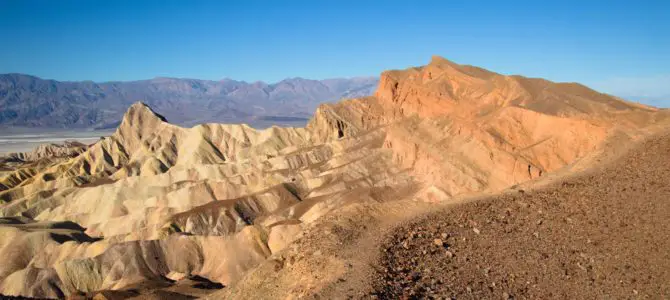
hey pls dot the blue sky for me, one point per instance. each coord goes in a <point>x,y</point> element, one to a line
<point>621,47</point>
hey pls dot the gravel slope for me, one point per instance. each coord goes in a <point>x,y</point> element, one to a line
<point>603,235</point>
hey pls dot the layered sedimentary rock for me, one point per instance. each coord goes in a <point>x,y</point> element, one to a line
<point>154,202</point>
<point>66,149</point>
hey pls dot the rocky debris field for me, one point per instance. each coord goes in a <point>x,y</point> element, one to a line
<point>602,235</point>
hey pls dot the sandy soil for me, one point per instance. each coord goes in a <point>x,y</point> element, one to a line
<point>603,235</point>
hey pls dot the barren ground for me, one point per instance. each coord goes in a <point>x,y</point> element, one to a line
<point>605,234</point>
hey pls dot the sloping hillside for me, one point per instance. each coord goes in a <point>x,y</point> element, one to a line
<point>600,235</point>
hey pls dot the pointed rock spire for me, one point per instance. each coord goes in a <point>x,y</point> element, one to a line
<point>140,110</point>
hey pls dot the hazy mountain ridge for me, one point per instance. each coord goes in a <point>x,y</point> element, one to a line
<point>658,101</point>
<point>31,101</point>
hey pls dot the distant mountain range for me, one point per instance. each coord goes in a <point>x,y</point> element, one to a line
<point>31,101</point>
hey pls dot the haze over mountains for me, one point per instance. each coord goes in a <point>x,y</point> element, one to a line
<point>657,101</point>
<point>31,101</point>
<point>284,212</point>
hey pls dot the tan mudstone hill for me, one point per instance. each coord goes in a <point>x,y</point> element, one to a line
<point>155,205</point>
<point>67,149</point>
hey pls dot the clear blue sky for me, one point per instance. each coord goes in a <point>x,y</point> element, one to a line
<point>621,47</point>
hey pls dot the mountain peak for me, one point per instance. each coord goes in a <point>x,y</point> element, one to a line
<point>437,60</point>
<point>141,111</point>
<point>444,87</point>
<point>138,122</point>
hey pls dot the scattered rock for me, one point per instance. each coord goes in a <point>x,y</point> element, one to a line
<point>578,246</point>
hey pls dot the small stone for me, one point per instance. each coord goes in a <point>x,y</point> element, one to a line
<point>438,242</point>
<point>449,254</point>
<point>469,289</point>
<point>405,245</point>
<point>536,235</point>
<point>445,235</point>
<point>476,230</point>
<point>506,296</point>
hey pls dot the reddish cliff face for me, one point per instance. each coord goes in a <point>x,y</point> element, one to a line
<point>466,129</point>
<point>426,91</point>
<point>443,87</point>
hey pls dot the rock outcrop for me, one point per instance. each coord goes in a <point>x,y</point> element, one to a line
<point>465,129</point>
<point>67,149</point>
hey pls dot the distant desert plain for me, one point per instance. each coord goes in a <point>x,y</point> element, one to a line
<point>13,139</point>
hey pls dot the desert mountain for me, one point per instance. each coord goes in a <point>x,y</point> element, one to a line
<point>31,101</point>
<point>155,205</point>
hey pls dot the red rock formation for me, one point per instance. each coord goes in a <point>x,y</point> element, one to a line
<point>467,129</point>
